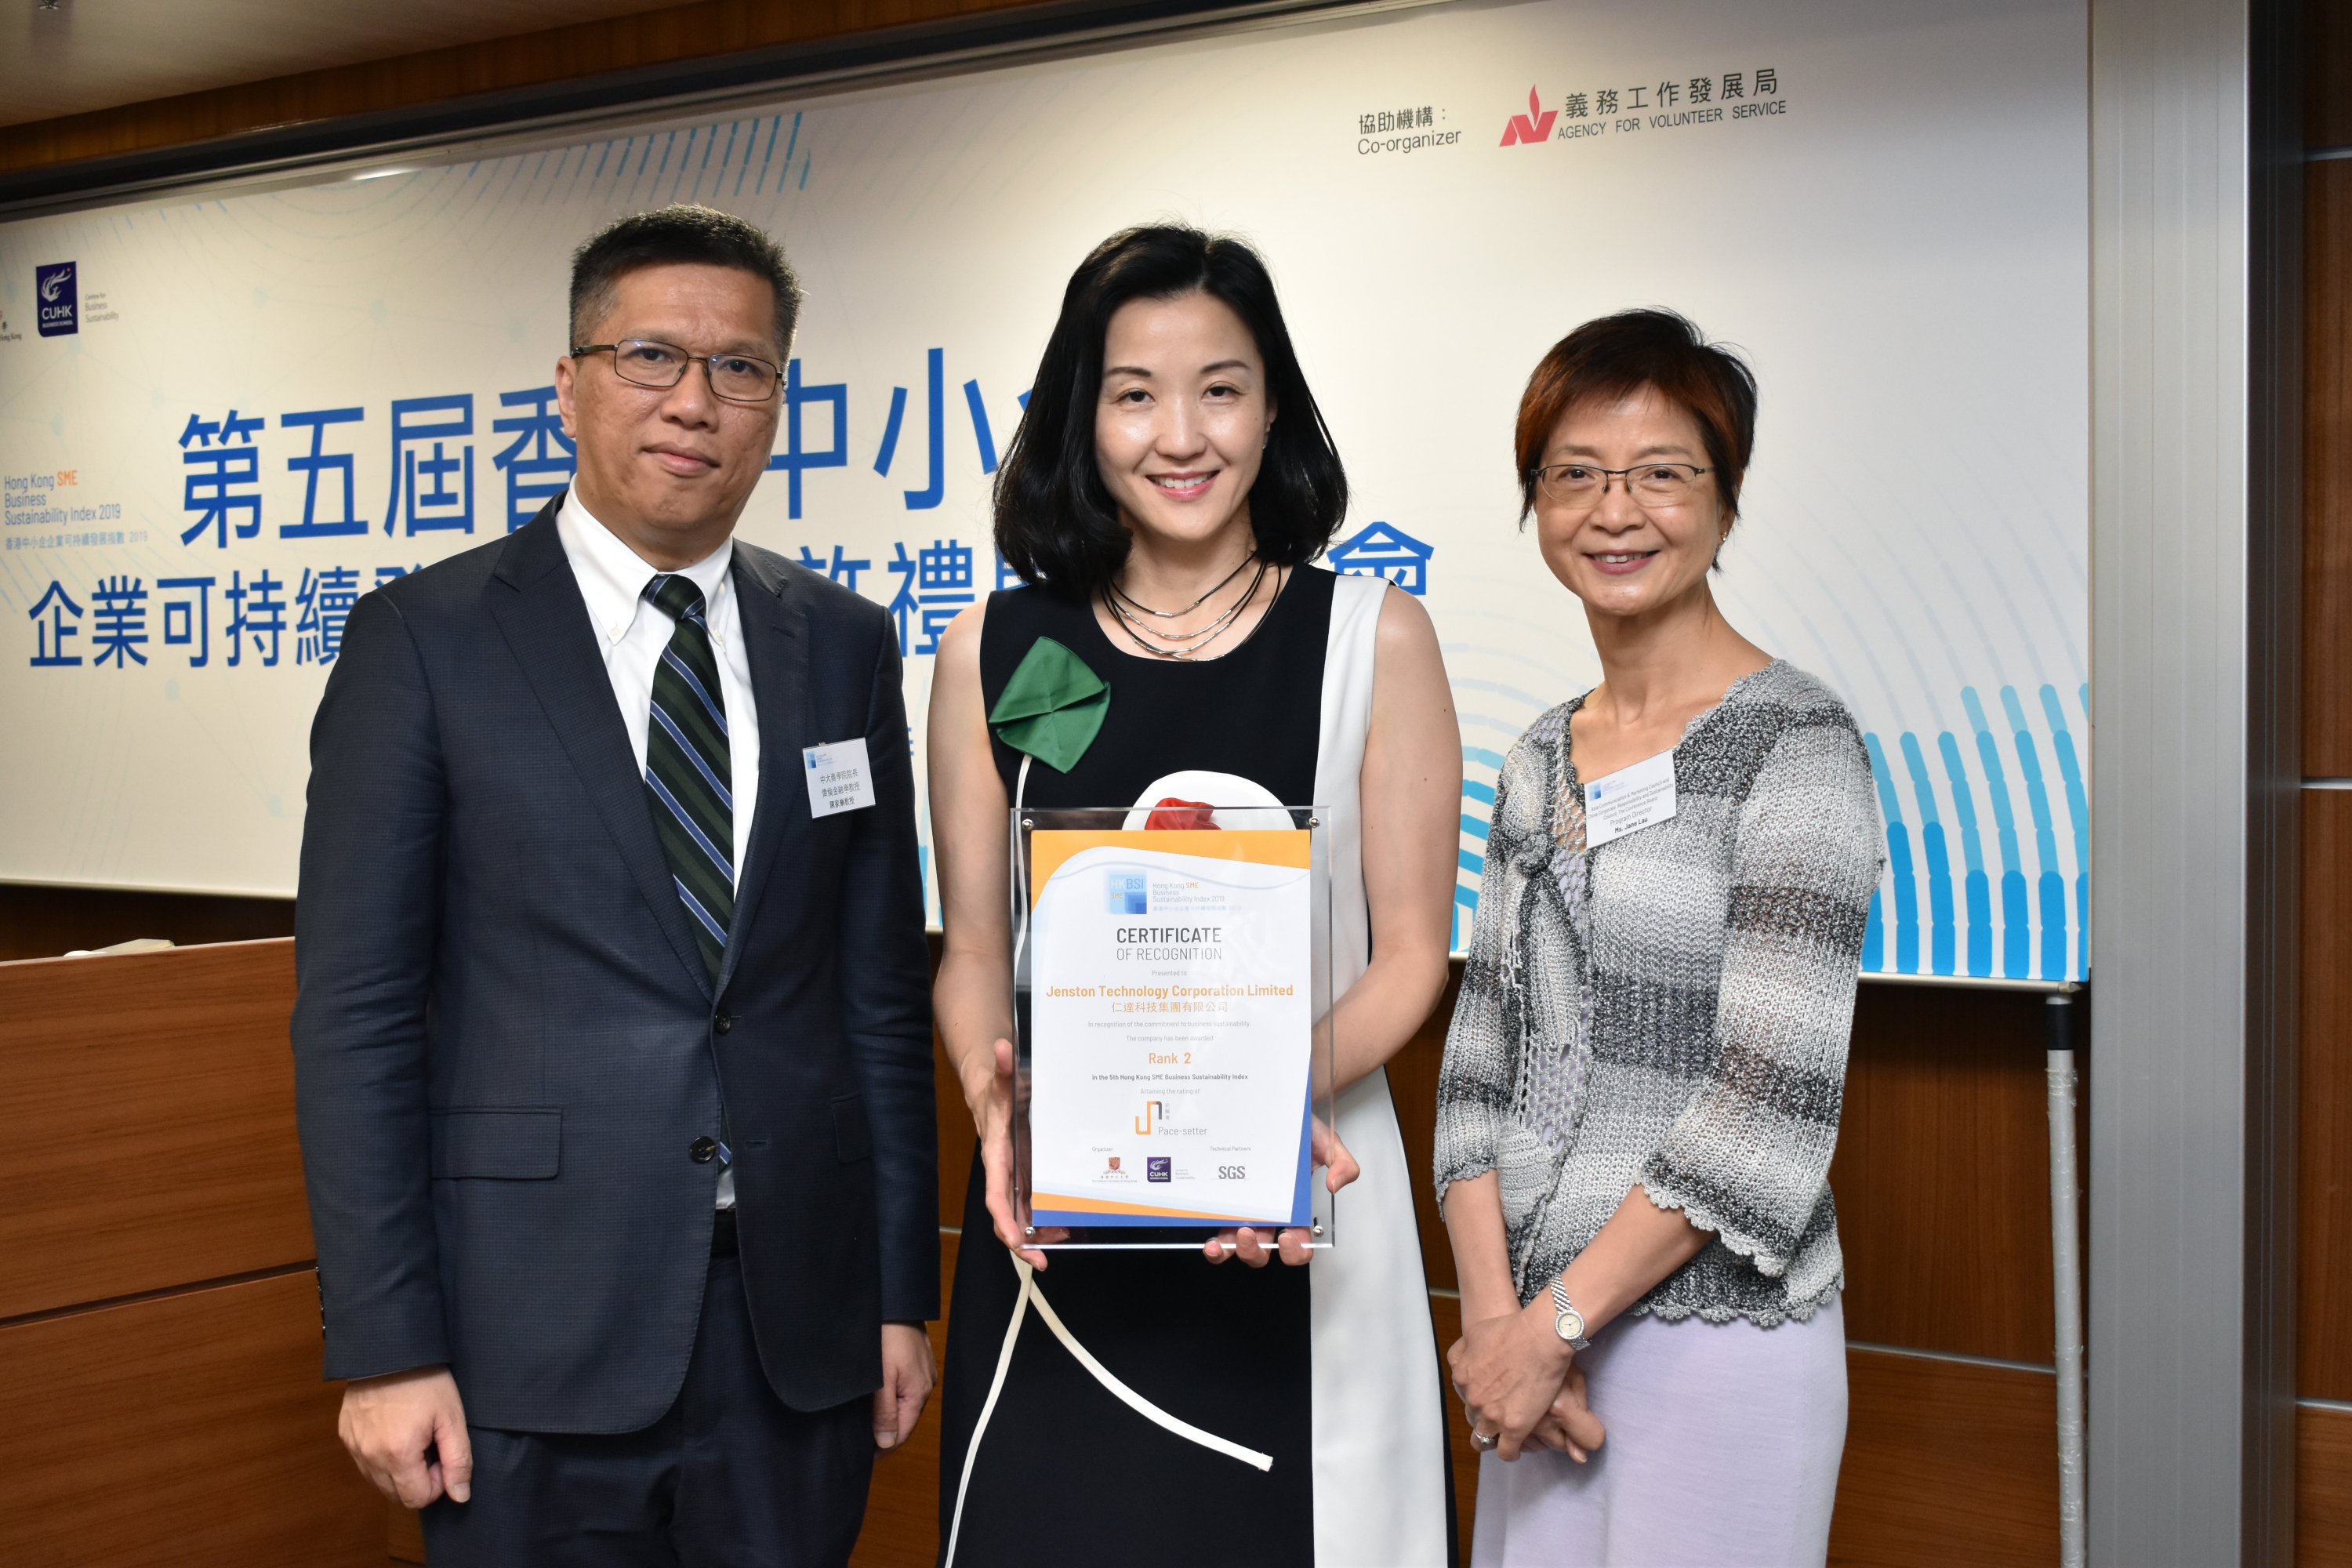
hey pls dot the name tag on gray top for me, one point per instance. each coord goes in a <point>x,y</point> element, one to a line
<point>1629,800</point>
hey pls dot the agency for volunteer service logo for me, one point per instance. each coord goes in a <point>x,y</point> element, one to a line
<point>57,299</point>
<point>1533,126</point>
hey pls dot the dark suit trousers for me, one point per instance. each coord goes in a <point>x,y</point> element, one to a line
<point>731,1477</point>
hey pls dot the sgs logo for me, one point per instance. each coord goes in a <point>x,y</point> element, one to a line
<point>1233,1172</point>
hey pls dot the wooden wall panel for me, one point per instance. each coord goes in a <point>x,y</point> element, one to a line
<point>191,1428</point>
<point>146,1123</point>
<point>589,48</point>
<point>48,922</point>
<point>1942,1174</point>
<point>2328,80</point>
<point>2327,469</point>
<point>957,1138</point>
<point>2324,1217</point>
<point>2323,1525</point>
<point>1946,1462</point>
<point>2323,1488</point>
<point>1413,1084</point>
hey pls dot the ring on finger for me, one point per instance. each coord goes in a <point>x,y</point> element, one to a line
<point>1483,1441</point>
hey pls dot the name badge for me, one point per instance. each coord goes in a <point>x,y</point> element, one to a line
<point>839,778</point>
<point>1629,799</point>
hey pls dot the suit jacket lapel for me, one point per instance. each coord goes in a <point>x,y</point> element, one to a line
<point>537,603</point>
<point>775,642</point>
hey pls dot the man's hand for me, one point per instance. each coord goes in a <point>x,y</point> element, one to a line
<point>389,1421</point>
<point>907,1379</point>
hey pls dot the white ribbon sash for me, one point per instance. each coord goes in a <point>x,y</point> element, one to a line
<point>1102,1375</point>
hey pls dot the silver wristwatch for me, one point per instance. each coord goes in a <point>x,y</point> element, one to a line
<point>1569,1324</point>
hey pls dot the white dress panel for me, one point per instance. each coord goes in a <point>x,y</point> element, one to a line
<point>1379,1472</point>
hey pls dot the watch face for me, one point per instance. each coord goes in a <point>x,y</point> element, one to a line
<point>1569,1325</point>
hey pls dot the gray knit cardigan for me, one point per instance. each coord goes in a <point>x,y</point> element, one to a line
<point>1672,1009</point>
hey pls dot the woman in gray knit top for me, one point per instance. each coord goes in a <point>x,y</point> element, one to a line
<point>1642,1079</point>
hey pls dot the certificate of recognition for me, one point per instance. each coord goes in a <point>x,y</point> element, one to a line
<point>1170,1028</point>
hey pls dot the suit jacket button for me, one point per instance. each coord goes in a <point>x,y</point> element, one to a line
<point>702,1149</point>
<point>722,1023</point>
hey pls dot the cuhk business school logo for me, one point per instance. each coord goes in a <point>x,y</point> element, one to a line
<point>1533,126</point>
<point>58,298</point>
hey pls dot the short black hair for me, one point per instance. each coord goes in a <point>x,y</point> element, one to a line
<point>671,236</point>
<point>1056,524</point>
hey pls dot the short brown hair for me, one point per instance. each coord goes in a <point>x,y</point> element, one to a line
<point>1616,356</point>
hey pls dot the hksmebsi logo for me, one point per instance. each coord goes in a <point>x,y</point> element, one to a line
<point>1533,126</point>
<point>59,298</point>
<point>1126,893</point>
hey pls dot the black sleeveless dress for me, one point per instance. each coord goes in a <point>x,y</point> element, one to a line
<point>1066,1473</point>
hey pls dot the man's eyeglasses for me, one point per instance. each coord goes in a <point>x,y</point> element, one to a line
<point>1653,484</point>
<point>737,378</point>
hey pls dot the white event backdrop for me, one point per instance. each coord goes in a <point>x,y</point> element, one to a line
<point>231,416</point>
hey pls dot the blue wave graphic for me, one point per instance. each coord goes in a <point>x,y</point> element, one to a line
<point>2041,929</point>
<point>1478,809</point>
<point>2040,932</point>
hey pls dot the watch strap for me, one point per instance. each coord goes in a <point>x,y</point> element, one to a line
<point>1562,1308</point>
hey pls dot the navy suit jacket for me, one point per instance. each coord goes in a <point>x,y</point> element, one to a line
<point>505,1042</point>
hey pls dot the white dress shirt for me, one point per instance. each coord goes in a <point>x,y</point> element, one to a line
<point>631,635</point>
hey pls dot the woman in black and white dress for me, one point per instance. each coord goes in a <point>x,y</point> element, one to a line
<point>1170,482</point>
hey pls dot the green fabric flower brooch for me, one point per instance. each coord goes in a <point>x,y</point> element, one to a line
<point>1052,708</point>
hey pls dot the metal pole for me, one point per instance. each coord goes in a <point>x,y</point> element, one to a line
<point>2066,1276</point>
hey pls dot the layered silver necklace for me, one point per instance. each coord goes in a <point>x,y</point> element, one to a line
<point>1136,617</point>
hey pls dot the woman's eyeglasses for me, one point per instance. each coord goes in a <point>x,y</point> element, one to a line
<point>1653,484</point>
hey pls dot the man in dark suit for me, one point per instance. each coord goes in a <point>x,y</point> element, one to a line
<point>612,1044</point>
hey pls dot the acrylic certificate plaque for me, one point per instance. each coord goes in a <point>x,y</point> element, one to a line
<point>1171,993</point>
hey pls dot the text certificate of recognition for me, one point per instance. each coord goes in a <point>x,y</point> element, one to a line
<point>1171,1027</point>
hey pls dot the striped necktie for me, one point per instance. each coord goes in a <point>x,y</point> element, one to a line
<point>687,772</point>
